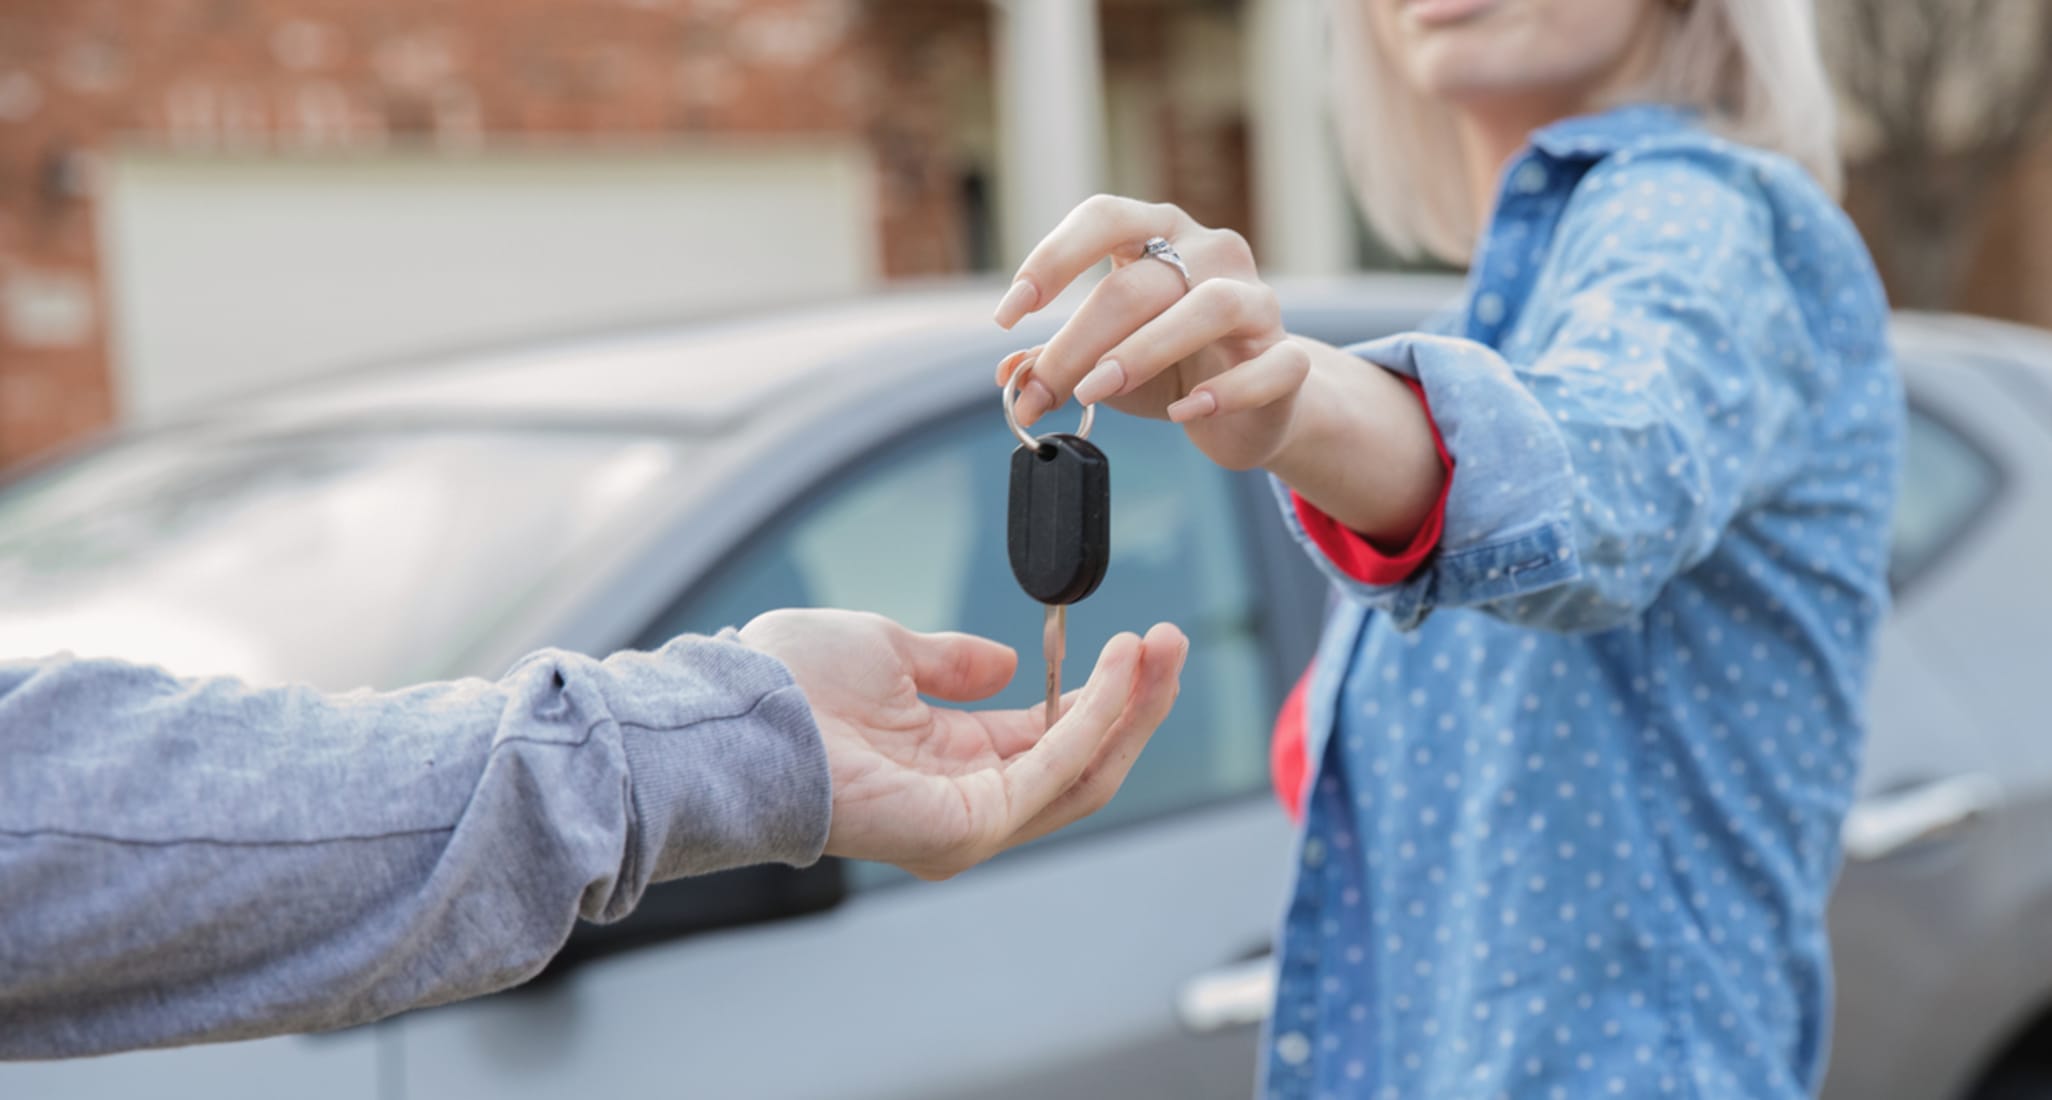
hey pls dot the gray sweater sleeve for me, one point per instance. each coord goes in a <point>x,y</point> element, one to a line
<point>190,860</point>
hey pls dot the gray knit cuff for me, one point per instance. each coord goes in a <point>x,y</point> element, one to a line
<point>747,784</point>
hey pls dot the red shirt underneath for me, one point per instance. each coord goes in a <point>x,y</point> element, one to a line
<point>1363,561</point>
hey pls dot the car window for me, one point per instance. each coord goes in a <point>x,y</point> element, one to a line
<point>918,533</point>
<point>341,559</point>
<point>1947,482</point>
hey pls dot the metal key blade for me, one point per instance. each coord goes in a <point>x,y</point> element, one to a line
<point>1054,641</point>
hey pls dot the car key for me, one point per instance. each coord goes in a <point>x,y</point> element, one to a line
<point>1057,528</point>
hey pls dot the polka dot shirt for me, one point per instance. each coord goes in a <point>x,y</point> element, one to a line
<point>1578,780</point>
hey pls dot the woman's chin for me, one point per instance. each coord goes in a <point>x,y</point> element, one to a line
<point>1458,82</point>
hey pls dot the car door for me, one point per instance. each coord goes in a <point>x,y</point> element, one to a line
<point>1054,970</point>
<point>1904,900</point>
<point>345,1065</point>
<point>1933,918</point>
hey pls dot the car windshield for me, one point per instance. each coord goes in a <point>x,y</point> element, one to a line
<point>342,560</point>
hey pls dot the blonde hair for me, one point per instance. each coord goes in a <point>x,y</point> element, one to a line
<point>1752,67</point>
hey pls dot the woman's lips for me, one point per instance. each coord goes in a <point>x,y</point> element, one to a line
<point>1440,13</point>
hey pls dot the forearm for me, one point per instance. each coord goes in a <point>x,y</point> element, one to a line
<point>195,860</point>
<point>1360,447</point>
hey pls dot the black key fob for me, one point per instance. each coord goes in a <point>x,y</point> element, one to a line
<point>1058,520</point>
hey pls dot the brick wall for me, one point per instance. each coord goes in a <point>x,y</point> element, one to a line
<point>79,76</point>
<point>1201,124</point>
<point>910,77</point>
<point>928,57</point>
<point>53,378</point>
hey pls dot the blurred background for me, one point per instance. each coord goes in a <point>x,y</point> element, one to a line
<point>198,197</point>
<point>361,342</point>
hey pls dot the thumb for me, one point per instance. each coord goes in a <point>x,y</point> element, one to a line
<point>960,668</point>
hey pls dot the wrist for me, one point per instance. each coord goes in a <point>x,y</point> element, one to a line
<point>1312,425</point>
<point>1362,449</point>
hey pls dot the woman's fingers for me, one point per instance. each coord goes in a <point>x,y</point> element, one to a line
<point>1161,665</point>
<point>1217,308</point>
<point>1096,228</point>
<point>1035,399</point>
<point>1258,382</point>
<point>1143,320</point>
<point>1127,299</point>
<point>1013,361</point>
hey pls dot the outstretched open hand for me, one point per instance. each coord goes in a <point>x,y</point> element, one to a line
<point>937,790</point>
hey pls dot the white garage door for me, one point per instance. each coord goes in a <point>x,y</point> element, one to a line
<point>228,272</point>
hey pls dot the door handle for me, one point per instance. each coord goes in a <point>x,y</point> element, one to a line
<point>1232,996</point>
<point>1883,825</point>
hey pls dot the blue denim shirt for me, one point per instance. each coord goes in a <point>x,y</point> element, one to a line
<point>1579,780</point>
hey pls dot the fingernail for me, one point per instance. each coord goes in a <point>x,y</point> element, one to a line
<point>1009,364</point>
<point>1017,301</point>
<point>1105,380</point>
<point>1022,363</point>
<point>1196,406</point>
<point>1034,402</point>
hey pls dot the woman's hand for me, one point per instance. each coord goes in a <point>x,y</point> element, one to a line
<point>937,790</point>
<point>1211,356</point>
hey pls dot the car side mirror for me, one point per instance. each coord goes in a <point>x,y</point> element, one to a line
<point>706,903</point>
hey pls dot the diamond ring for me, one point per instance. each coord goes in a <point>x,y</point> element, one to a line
<point>1158,248</point>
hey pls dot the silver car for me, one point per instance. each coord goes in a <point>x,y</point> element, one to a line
<point>440,519</point>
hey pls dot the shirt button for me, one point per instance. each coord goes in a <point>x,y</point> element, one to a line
<point>1530,179</point>
<point>1314,852</point>
<point>1489,308</point>
<point>1292,1047</point>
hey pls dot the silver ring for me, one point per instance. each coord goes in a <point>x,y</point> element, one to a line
<point>1012,418</point>
<point>1159,248</point>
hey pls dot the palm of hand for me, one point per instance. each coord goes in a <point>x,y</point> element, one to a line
<point>918,781</point>
<point>937,790</point>
<point>939,771</point>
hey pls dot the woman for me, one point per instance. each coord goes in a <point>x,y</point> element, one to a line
<point>1582,733</point>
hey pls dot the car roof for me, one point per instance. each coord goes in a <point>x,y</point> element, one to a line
<point>709,376</point>
<point>706,376</point>
<point>1959,331</point>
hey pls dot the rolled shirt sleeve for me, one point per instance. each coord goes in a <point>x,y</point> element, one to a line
<point>1653,405</point>
<point>187,860</point>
